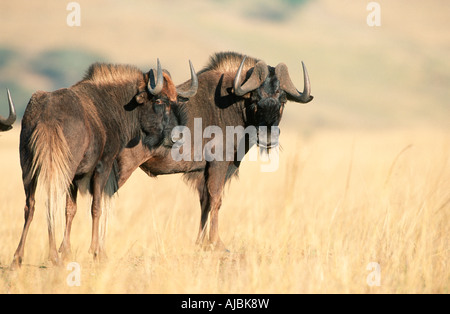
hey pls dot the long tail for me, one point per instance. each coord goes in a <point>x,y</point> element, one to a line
<point>51,167</point>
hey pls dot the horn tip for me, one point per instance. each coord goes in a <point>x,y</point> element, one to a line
<point>303,65</point>
<point>191,65</point>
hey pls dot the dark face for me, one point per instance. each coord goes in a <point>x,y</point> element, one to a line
<point>266,110</point>
<point>157,119</point>
<point>270,89</point>
<point>161,107</point>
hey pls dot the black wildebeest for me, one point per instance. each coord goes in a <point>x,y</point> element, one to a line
<point>6,124</point>
<point>233,91</point>
<point>76,133</point>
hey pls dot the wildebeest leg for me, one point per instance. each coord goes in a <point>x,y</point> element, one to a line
<point>214,238</point>
<point>214,181</point>
<point>205,208</point>
<point>30,191</point>
<point>71,210</point>
<point>99,180</point>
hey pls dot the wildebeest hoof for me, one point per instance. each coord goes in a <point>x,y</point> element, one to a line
<point>16,263</point>
<point>98,255</point>
<point>218,247</point>
<point>55,260</point>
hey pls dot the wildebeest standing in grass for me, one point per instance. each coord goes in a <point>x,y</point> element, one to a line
<point>233,91</point>
<point>76,133</point>
<point>6,124</point>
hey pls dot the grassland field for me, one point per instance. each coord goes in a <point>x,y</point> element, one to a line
<point>360,202</point>
<point>339,201</point>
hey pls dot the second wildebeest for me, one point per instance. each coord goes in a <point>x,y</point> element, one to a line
<point>233,91</point>
<point>76,133</point>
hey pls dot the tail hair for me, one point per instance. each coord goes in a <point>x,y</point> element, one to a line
<point>51,166</point>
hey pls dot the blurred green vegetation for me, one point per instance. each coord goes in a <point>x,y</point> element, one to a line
<point>393,75</point>
<point>6,55</point>
<point>63,67</point>
<point>57,68</point>
<point>273,11</point>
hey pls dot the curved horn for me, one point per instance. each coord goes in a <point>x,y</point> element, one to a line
<point>281,71</point>
<point>255,80</point>
<point>6,124</point>
<point>159,80</point>
<point>194,84</point>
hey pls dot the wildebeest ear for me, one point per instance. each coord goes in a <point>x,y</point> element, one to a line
<point>167,72</point>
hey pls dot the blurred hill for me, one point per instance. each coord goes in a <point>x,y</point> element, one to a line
<point>397,74</point>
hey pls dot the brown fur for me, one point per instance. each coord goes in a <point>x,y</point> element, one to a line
<point>217,105</point>
<point>169,89</point>
<point>74,135</point>
<point>104,73</point>
<point>228,62</point>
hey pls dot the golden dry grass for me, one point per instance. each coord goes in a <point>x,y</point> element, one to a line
<point>339,201</point>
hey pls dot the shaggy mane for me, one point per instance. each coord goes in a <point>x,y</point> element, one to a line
<point>228,62</point>
<point>104,73</point>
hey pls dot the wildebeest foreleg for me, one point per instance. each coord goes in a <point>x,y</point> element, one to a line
<point>214,238</point>
<point>205,208</point>
<point>211,200</point>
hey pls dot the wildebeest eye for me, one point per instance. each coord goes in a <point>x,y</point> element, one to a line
<point>158,106</point>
